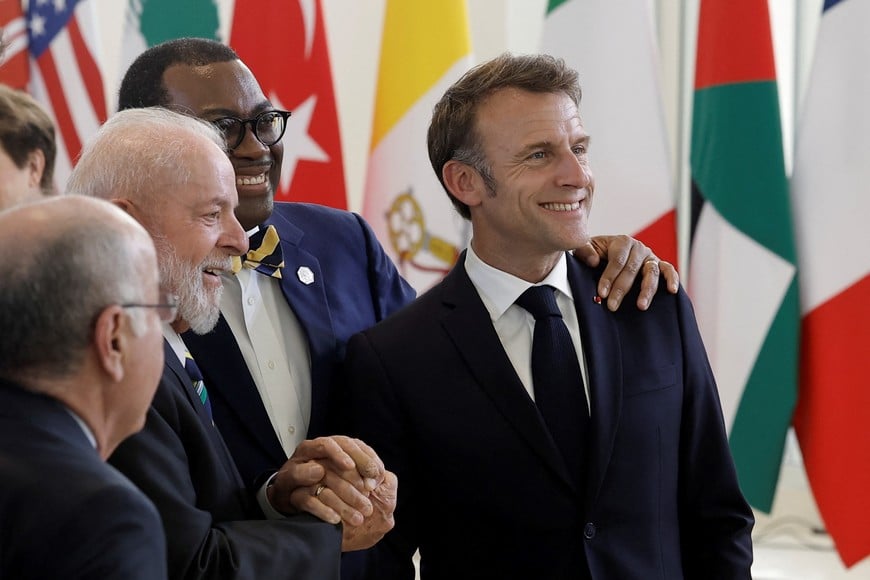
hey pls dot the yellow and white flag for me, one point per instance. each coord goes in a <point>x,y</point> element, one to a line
<point>426,47</point>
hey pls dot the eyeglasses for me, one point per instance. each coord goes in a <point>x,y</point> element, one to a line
<point>167,306</point>
<point>268,127</point>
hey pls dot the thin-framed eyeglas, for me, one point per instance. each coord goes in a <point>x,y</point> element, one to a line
<point>167,306</point>
<point>268,127</point>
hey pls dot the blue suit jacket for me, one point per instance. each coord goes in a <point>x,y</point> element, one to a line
<point>213,526</point>
<point>355,285</point>
<point>482,490</point>
<point>65,513</point>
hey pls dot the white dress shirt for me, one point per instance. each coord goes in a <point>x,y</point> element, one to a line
<point>275,350</point>
<point>514,325</point>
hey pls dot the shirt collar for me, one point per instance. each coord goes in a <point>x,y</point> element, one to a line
<point>499,290</point>
<point>175,342</point>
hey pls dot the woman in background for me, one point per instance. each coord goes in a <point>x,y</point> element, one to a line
<point>27,149</point>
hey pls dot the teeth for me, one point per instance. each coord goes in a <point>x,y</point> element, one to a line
<point>251,180</point>
<point>562,206</point>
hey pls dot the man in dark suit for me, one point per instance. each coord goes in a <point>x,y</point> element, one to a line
<point>80,358</point>
<point>610,461</point>
<point>171,172</point>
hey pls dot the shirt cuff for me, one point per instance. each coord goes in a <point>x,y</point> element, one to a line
<point>263,499</point>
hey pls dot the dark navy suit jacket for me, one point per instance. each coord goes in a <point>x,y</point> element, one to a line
<point>483,492</point>
<point>214,528</point>
<point>64,512</point>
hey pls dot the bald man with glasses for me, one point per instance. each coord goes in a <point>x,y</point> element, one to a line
<point>80,359</point>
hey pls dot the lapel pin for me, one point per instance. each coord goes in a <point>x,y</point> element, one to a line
<point>305,275</point>
<point>596,299</point>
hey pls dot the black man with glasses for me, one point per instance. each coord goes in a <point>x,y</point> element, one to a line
<point>80,360</point>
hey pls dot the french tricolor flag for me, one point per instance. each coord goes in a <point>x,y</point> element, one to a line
<point>831,200</point>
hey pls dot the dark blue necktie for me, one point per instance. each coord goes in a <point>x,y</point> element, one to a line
<point>198,382</point>
<point>558,383</point>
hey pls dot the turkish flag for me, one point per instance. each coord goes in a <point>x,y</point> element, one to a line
<point>284,44</point>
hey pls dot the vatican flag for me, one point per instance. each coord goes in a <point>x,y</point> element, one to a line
<point>426,47</point>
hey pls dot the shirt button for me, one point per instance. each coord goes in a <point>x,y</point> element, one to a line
<point>291,429</point>
<point>272,364</point>
<point>589,531</point>
<point>250,301</point>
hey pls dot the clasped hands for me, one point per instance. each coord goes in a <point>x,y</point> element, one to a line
<point>338,479</point>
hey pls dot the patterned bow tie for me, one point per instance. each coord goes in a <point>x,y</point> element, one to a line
<point>265,255</point>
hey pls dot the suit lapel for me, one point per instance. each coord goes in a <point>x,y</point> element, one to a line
<point>601,348</point>
<point>173,371</point>
<point>467,323</point>
<point>173,366</point>
<point>303,287</point>
<point>217,354</point>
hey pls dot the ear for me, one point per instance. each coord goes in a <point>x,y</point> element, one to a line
<point>110,341</point>
<point>35,167</point>
<point>464,182</point>
<point>125,204</point>
<point>132,209</point>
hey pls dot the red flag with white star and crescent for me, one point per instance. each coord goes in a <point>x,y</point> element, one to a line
<point>284,45</point>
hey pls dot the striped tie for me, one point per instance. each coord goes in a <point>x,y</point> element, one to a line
<point>198,383</point>
<point>265,255</point>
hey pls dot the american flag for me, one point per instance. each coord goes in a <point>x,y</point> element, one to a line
<point>63,74</point>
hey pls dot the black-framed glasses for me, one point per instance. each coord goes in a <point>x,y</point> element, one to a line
<point>166,305</point>
<point>268,127</point>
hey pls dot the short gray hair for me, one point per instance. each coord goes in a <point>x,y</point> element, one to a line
<point>53,290</point>
<point>135,146</point>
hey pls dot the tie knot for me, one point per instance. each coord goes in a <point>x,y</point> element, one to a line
<point>264,254</point>
<point>540,302</point>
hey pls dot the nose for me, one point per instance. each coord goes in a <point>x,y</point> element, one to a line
<point>575,173</point>
<point>250,147</point>
<point>233,238</point>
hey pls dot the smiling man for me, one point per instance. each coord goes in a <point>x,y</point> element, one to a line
<point>589,443</point>
<point>170,171</point>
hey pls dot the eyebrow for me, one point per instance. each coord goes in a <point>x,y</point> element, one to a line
<point>219,112</point>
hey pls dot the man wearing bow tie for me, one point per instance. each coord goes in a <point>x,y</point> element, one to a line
<point>272,363</point>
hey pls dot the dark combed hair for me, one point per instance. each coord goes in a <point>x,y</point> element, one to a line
<point>452,131</point>
<point>142,85</point>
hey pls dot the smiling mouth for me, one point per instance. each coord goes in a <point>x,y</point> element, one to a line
<point>214,271</point>
<point>251,179</point>
<point>561,206</point>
